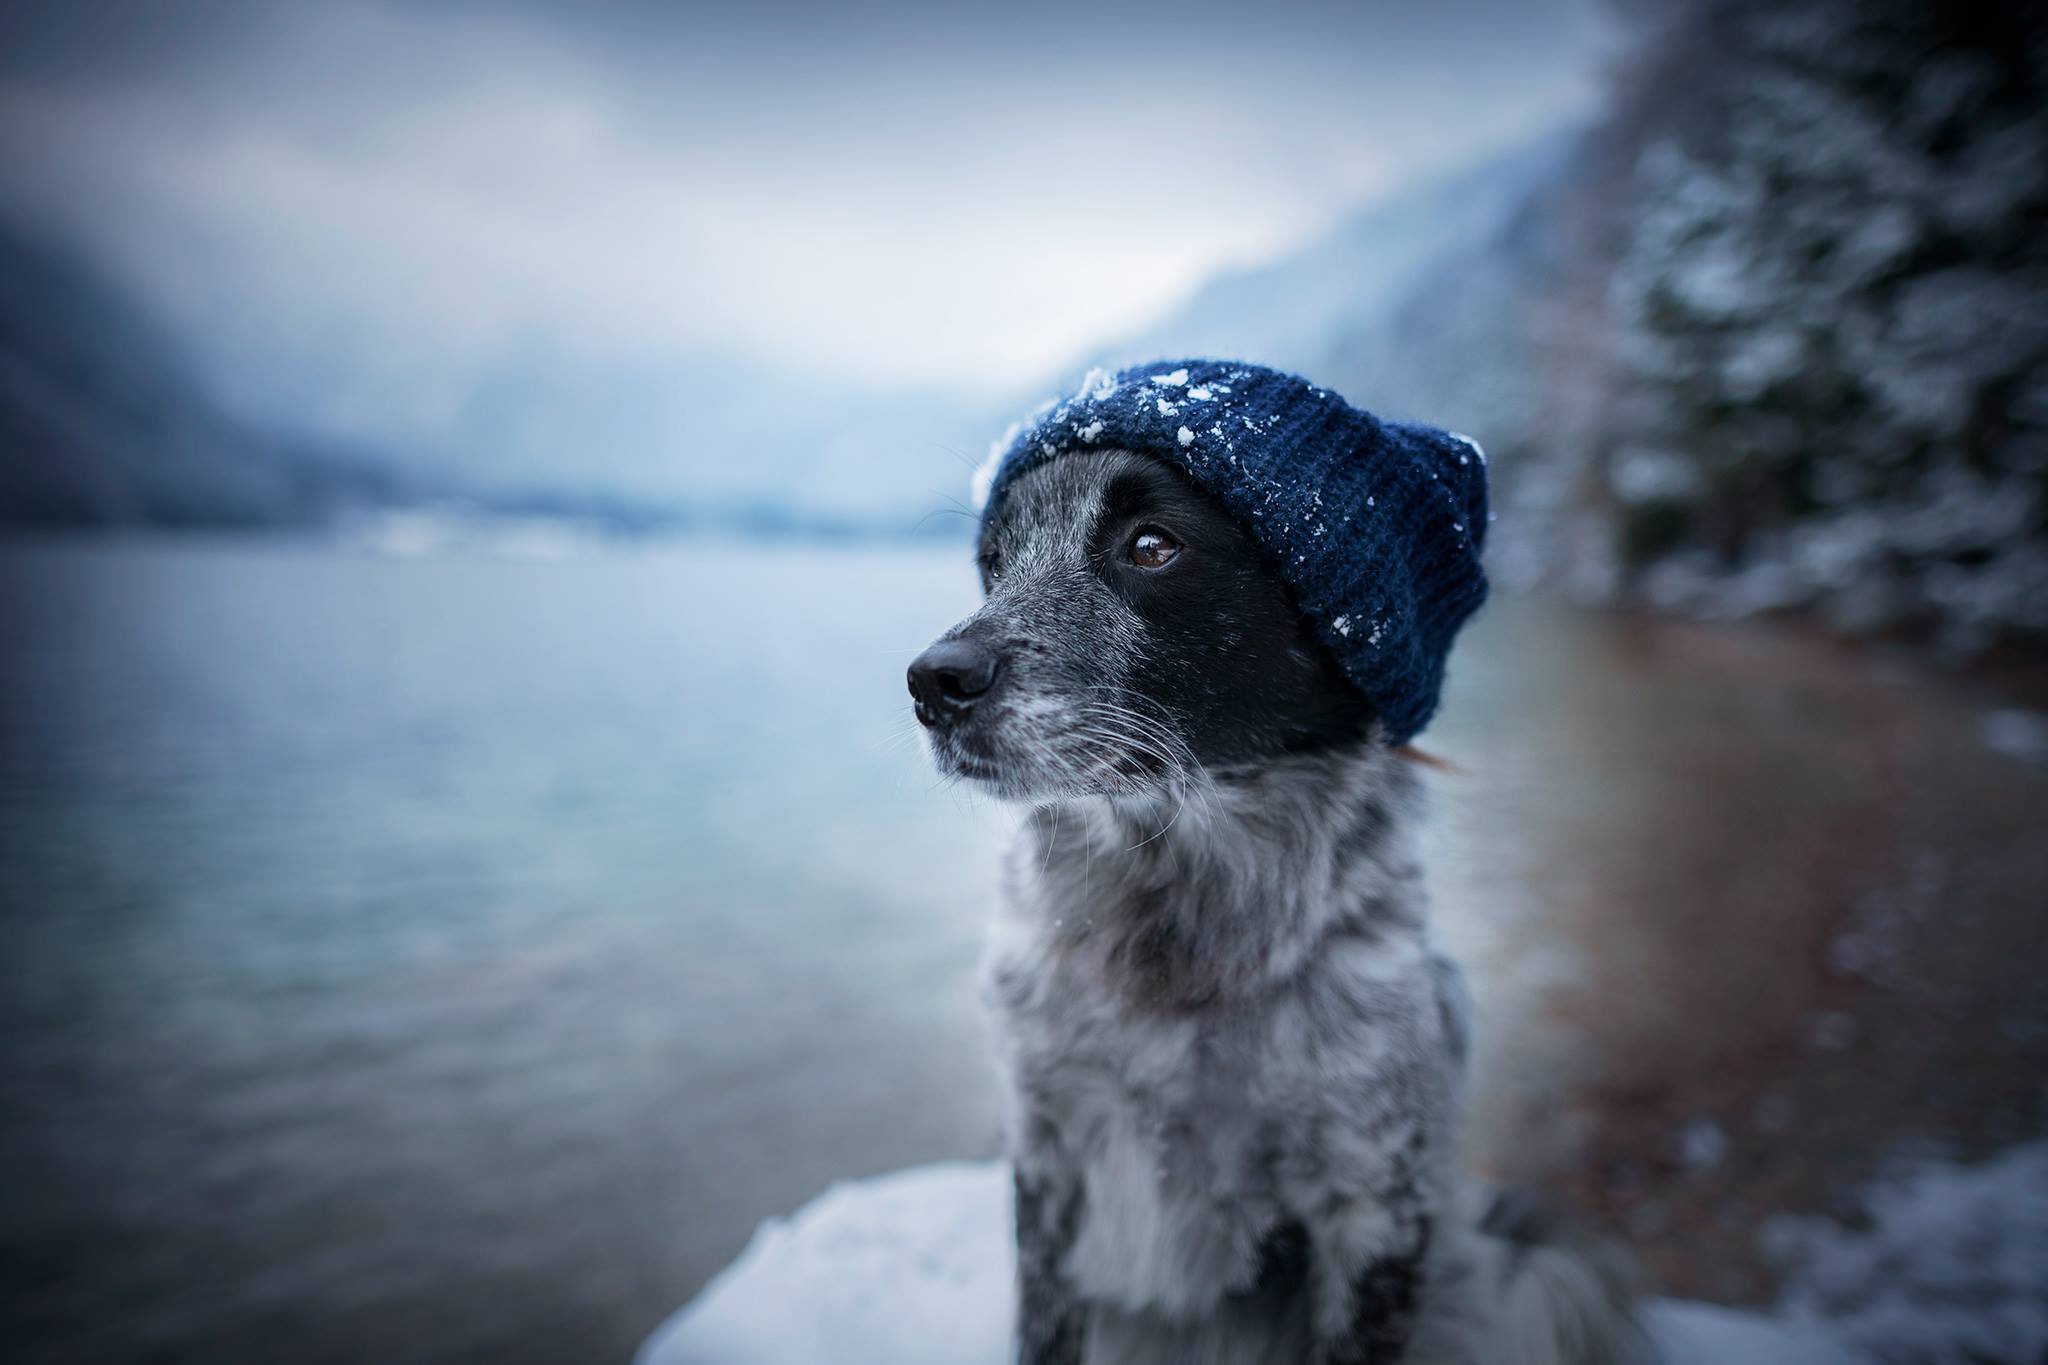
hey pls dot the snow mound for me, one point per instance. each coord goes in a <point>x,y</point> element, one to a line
<point>1951,1269</point>
<point>906,1269</point>
<point>1708,1334</point>
<point>914,1269</point>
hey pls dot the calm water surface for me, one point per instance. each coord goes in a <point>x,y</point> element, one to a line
<point>453,958</point>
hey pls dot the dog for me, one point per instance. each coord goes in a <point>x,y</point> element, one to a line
<point>1232,1051</point>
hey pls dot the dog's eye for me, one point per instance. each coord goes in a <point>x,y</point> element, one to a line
<point>1152,548</point>
<point>991,566</point>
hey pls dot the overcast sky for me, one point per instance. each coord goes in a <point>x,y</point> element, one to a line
<point>398,196</point>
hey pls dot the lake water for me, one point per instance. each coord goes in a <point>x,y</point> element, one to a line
<point>453,957</point>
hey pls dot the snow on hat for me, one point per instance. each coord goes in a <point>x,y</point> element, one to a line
<point>1377,526</point>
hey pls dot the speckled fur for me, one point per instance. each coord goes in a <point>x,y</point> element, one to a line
<point>1233,1051</point>
<point>1205,1050</point>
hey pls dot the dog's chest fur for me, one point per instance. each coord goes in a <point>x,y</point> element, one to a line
<point>1216,1029</point>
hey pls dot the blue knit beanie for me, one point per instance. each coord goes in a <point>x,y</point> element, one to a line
<point>1377,526</point>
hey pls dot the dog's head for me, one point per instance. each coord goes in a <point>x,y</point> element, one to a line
<point>1132,637</point>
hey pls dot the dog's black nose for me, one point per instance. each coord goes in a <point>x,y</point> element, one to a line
<point>946,679</point>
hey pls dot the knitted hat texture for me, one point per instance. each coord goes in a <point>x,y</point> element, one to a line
<point>1377,526</point>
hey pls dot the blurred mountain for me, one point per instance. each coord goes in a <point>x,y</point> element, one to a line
<point>105,422</point>
<point>1297,312</point>
<point>101,423</point>
<point>714,432</point>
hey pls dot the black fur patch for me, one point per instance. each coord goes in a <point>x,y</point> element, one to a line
<point>1384,1299</point>
<point>1283,1259</point>
<point>1229,650</point>
<point>1050,1322</point>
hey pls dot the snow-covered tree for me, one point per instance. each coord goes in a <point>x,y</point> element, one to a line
<point>1826,316</point>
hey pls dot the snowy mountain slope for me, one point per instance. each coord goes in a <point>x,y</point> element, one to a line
<point>1297,312</point>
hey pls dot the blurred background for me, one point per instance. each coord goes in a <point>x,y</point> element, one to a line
<point>473,475</point>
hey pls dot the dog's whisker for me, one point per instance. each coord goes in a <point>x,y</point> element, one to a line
<point>1162,829</point>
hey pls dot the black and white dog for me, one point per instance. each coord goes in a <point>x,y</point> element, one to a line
<point>1233,1053</point>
